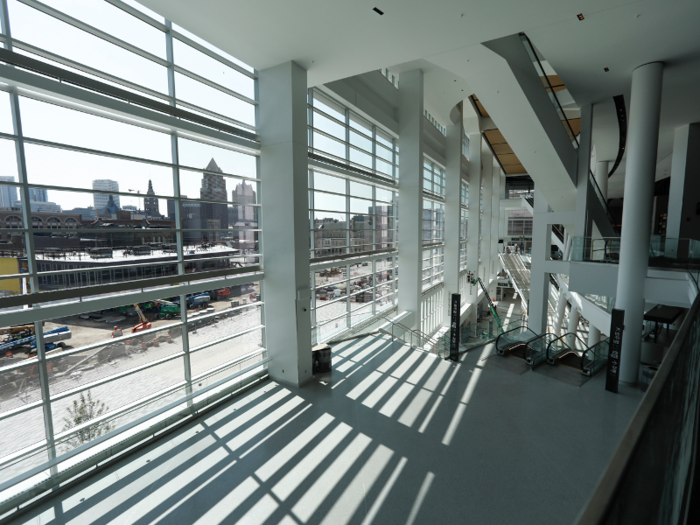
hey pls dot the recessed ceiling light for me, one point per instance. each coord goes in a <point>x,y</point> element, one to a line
<point>377,10</point>
<point>579,16</point>
<point>606,69</point>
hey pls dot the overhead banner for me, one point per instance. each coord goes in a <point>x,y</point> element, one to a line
<point>617,326</point>
<point>454,326</point>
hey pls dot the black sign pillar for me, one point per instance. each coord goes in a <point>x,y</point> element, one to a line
<point>617,326</point>
<point>454,326</point>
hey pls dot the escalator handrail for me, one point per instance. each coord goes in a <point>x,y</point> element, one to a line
<point>509,331</point>
<point>621,111</point>
<point>530,341</point>
<point>562,337</point>
<point>585,352</point>
<point>599,194</point>
<point>532,52</point>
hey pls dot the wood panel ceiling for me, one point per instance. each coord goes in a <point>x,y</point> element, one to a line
<point>506,157</point>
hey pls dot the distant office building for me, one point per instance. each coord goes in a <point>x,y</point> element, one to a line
<point>214,189</point>
<point>101,199</point>
<point>43,206</point>
<point>150,204</point>
<point>87,214</point>
<point>110,210</point>
<point>38,195</point>
<point>8,194</point>
<point>244,216</point>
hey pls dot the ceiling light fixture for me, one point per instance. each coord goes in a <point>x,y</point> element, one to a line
<point>377,10</point>
<point>579,16</point>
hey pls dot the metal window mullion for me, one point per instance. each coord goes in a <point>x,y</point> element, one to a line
<point>348,309</point>
<point>45,393</point>
<point>179,238</point>
<point>32,267</point>
<point>312,215</point>
<point>374,288</point>
<point>348,238</point>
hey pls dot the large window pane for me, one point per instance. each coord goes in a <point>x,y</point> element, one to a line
<point>329,126</point>
<point>72,169</point>
<point>212,69</point>
<point>53,123</point>
<point>8,166</point>
<point>328,183</point>
<point>5,113</point>
<point>207,97</point>
<point>46,32</point>
<point>114,21</point>
<point>333,147</point>
<point>200,155</point>
<point>211,47</point>
<point>327,201</point>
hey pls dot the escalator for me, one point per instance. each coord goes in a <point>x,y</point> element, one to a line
<point>515,342</point>
<point>536,351</point>
<point>567,350</point>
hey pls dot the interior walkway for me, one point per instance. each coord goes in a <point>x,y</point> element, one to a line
<point>392,436</point>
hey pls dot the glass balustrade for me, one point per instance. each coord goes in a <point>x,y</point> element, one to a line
<point>664,252</point>
<point>595,358</point>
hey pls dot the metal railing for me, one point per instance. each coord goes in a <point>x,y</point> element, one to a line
<point>412,337</point>
<point>650,477</point>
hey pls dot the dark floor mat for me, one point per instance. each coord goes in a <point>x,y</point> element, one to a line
<point>572,361</point>
<point>509,363</point>
<point>565,374</point>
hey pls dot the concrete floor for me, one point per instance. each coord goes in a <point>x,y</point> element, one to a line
<point>391,436</point>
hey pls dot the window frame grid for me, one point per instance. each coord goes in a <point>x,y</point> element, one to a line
<point>33,275</point>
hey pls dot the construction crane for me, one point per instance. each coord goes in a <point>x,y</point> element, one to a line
<point>144,324</point>
<point>488,298</point>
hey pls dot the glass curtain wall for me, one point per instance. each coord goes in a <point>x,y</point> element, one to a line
<point>433,243</point>
<point>463,225</point>
<point>142,246</point>
<point>340,135</point>
<point>345,295</point>
<point>433,178</point>
<point>352,216</point>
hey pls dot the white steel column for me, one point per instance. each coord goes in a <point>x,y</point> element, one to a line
<point>411,193</point>
<point>601,177</point>
<point>642,140</point>
<point>495,220</point>
<point>284,172</point>
<point>561,310</point>
<point>574,316</point>
<point>487,175</point>
<point>474,216</point>
<point>593,335</point>
<point>539,279</point>
<point>453,207</point>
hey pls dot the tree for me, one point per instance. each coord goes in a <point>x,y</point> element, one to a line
<point>84,410</point>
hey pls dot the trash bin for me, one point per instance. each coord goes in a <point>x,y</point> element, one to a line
<point>648,373</point>
<point>321,358</point>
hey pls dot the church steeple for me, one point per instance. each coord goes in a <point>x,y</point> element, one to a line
<point>150,204</point>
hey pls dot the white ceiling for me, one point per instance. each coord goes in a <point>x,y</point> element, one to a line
<point>334,40</point>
